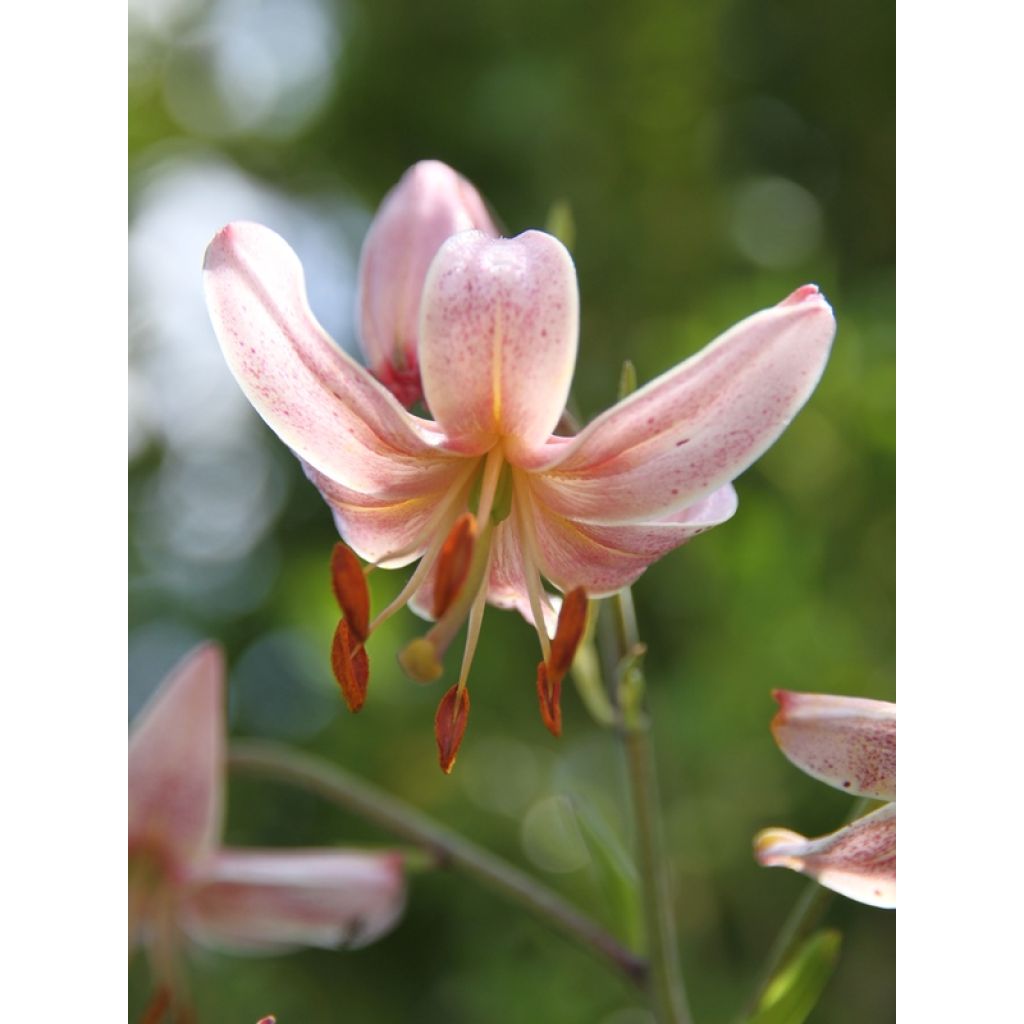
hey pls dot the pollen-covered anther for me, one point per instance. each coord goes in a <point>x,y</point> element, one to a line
<point>572,620</point>
<point>549,693</point>
<point>453,562</point>
<point>450,725</point>
<point>351,666</point>
<point>351,591</point>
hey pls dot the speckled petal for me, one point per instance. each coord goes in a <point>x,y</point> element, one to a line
<point>498,335</point>
<point>603,559</point>
<point>325,407</point>
<point>858,861</point>
<point>696,427</point>
<point>847,742</point>
<point>176,763</point>
<point>267,901</point>
<point>430,204</point>
<point>397,524</point>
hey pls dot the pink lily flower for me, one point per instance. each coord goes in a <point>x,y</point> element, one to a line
<point>849,743</point>
<point>430,204</point>
<point>182,884</point>
<point>485,495</point>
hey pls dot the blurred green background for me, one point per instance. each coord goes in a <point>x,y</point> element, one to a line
<point>715,156</point>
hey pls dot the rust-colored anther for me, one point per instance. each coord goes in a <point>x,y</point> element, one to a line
<point>157,1007</point>
<point>453,562</point>
<point>549,692</point>
<point>351,591</point>
<point>351,666</point>
<point>450,724</point>
<point>572,620</point>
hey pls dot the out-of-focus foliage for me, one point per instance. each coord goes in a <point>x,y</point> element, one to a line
<point>713,156</point>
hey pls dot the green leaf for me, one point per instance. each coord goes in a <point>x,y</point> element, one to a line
<point>796,989</point>
<point>616,877</point>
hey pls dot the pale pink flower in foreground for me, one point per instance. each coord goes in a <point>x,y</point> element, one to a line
<point>182,884</point>
<point>849,743</point>
<point>429,205</point>
<point>485,495</point>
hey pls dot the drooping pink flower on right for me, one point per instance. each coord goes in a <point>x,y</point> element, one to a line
<point>848,743</point>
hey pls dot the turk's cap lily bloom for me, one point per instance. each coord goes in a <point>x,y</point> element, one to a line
<point>498,335</point>
<point>430,204</point>
<point>184,884</point>
<point>848,743</point>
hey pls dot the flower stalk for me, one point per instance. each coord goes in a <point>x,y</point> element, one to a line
<point>665,982</point>
<point>447,848</point>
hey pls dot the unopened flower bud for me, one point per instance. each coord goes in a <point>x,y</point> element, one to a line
<point>431,203</point>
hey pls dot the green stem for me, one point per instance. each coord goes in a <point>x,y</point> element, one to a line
<point>449,849</point>
<point>665,983</point>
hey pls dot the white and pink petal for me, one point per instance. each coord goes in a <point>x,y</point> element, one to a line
<point>846,742</point>
<point>176,764</point>
<point>499,329</point>
<point>394,529</point>
<point>325,407</point>
<point>698,426</point>
<point>602,559</point>
<point>858,861</point>
<point>265,901</point>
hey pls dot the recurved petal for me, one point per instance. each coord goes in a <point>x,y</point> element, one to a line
<point>696,427</point>
<point>847,742</point>
<point>394,529</point>
<point>498,334</point>
<point>269,900</point>
<point>324,406</point>
<point>858,861</point>
<point>176,762</point>
<point>603,558</point>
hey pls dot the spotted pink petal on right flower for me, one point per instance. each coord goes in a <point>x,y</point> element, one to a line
<point>845,742</point>
<point>858,861</point>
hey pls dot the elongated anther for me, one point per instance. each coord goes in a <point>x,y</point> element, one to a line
<point>351,591</point>
<point>549,693</point>
<point>572,620</point>
<point>351,666</point>
<point>450,725</point>
<point>453,562</point>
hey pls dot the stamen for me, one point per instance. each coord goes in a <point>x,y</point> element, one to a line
<point>476,618</point>
<point>453,563</point>
<point>351,666</point>
<point>419,660</point>
<point>549,692</point>
<point>351,590</point>
<point>450,725</point>
<point>572,620</point>
<point>531,574</point>
<point>157,1006</point>
<point>455,498</point>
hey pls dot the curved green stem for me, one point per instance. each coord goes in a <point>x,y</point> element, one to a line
<point>448,848</point>
<point>668,995</point>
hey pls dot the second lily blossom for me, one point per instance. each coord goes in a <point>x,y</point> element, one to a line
<point>848,743</point>
<point>485,495</point>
